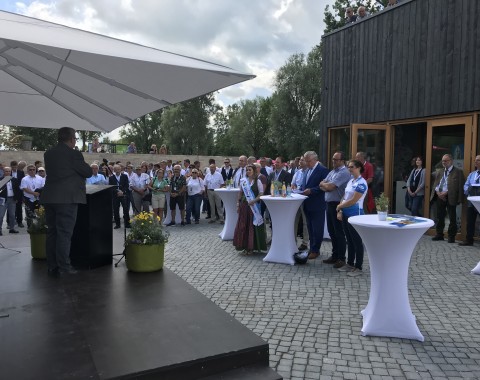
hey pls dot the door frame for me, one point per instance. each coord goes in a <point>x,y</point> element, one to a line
<point>469,143</point>
<point>387,165</point>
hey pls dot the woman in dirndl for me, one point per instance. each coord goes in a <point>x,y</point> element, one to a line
<point>250,232</point>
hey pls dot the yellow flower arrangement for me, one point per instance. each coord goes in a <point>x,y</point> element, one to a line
<point>39,222</point>
<point>146,229</point>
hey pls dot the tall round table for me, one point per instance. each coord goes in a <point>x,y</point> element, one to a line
<point>229,198</point>
<point>282,211</point>
<point>475,202</point>
<point>389,250</point>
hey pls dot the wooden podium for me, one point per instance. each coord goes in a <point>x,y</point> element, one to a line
<point>92,236</point>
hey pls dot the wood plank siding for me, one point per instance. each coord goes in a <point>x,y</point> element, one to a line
<point>418,59</point>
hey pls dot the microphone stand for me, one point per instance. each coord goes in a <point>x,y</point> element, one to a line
<point>105,161</point>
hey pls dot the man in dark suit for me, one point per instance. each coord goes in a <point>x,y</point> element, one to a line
<point>314,206</point>
<point>447,193</point>
<point>11,194</point>
<point>64,190</point>
<point>120,196</point>
<point>278,175</point>
<point>18,174</point>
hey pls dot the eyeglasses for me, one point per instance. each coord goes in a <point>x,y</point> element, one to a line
<point>194,172</point>
<point>41,171</point>
<point>31,170</point>
<point>351,167</point>
<point>226,162</point>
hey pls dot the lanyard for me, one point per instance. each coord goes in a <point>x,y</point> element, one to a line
<point>416,173</point>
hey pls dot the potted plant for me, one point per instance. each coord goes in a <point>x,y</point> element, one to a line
<point>381,203</point>
<point>38,234</point>
<point>145,244</point>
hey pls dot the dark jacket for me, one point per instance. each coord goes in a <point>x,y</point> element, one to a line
<point>284,176</point>
<point>17,193</point>
<point>67,171</point>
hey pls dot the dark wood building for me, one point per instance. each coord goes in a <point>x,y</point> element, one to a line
<point>405,82</point>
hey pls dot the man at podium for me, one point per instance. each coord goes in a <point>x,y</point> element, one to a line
<point>64,190</point>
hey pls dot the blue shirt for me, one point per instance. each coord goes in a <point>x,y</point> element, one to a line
<point>98,179</point>
<point>339,177</point>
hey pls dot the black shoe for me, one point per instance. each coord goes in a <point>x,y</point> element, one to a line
<point>451,239</point>
<point>208,217</point>
<point>188,222</point>
<point>182,224</point>
<point>53,272</point>
<point>465,243</point>
<point>116,227</point>
<point>437,238</point>
<point>13,232</point>
<point>170,224</point>
<point>68,271</point>
<point>21,225</point>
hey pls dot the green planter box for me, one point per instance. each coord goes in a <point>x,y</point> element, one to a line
<point>144,258</point>
<point>38,246</point>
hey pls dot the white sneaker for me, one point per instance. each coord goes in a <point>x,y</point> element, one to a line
<point>355,272</point>
<point>345,268</point>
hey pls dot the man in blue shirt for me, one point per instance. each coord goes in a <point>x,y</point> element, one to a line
<point>471,188</point>
<point>334,187</point>
<point>96,178</point>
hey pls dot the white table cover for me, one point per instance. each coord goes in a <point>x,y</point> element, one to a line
<point>229,198</point>
<point>476,202</point>
<point>282,211</point>
<point>389,250</point>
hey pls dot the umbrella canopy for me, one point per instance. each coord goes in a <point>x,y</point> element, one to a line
<point>54,76</point>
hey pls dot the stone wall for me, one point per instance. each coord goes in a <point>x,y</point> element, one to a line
<point>31,156</point>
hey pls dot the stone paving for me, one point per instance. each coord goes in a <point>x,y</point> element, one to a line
<point>310,314</point>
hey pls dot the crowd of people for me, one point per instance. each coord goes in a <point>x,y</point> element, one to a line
<point>167,187</point>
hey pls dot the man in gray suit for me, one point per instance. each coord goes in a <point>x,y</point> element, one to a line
<point>447,193</point>
<point>64,190</point>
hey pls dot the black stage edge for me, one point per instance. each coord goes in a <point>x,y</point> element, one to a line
<point>92,237</point>
<point>108,323</point>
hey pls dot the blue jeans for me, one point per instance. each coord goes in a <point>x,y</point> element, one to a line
<point>193,206</point>
<point>355,244</point>
<point>416,203</point>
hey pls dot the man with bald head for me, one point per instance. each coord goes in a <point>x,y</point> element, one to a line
<point>314,206</point>
<point>240,172</point>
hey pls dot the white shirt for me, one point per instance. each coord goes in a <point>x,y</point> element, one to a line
<point>140,181</point>
<point>41,181</point>
<point>268,169</point>
<point>30,183</point>
<point>241,173</point>
<point>195,185</point>
<point>213,181</point>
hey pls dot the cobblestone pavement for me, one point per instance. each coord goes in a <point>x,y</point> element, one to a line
<point>310,314</point>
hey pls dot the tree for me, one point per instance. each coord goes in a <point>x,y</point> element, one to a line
<point>250,127</point>
<point>186,126</point>
<point>225,144</point>
<point>144,131</point>
<point>296,104</point>
<point>335,18</point>
<point>42,138</point>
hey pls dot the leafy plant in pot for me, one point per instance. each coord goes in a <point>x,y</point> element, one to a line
<point>145,244</point>
<point>38,234</point>
<point>381,204</point>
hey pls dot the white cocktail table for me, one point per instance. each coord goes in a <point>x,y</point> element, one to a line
<point>229,198</point>
<point>389,250</point>
<point>476,202</point>
<point>282,211</point>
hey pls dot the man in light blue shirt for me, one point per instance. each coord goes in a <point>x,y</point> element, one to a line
<point>96,179</point>
<point>334,186</point>
<point>297,182</point>
<point>471,188</point>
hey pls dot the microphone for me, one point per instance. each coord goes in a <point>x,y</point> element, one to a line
<point>105,161</point>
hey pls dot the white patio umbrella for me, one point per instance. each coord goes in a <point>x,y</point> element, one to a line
<point>54,76</point>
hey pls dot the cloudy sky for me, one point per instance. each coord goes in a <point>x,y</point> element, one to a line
<point>252,36</point>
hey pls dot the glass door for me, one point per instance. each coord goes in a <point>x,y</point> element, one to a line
<point>376,142</point>
<point>448,136</point>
